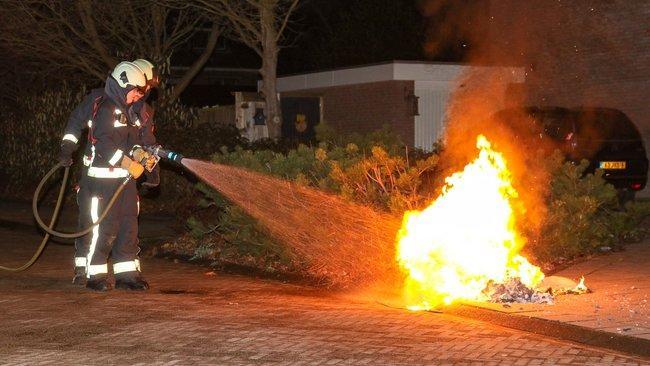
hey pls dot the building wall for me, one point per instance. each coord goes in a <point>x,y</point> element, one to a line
<point>362,108</point>
<point>591,53</point>
<point>430,123</point>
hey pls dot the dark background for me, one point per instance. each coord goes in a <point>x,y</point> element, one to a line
<point>330,34</point>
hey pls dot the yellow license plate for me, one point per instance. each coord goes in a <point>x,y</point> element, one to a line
<point>612,165</point>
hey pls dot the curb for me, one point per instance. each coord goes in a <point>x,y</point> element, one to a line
<point>553,328</point>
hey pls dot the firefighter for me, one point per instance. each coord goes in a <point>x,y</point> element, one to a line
<point>117,154</point>
<point>79,120</point>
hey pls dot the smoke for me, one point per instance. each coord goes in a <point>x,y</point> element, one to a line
<point>453,28</point>
<point>503,39</point>
<point>573,53</point>
<point>472,112</point>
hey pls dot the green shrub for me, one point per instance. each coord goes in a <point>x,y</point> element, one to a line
<point>382,180</point>
<point>379,173</point>
<point>299,164</point>
<point>383,137</point>
<point>583,214</point>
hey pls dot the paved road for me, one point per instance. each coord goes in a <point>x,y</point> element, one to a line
<point>190,317</point>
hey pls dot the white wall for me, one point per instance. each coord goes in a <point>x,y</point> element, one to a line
<point>436,86</point>
<point>432,110</point>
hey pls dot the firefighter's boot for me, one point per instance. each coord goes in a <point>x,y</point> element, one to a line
<point>135,284</point>
<point>98,284</point>
<point>79,276</point>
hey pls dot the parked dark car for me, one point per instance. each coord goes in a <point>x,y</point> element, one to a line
<point>604,136</point>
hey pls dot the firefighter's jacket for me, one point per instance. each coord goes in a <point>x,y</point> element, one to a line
<point>84,117</point>
<point>142,113</point>
<point>113,137</point>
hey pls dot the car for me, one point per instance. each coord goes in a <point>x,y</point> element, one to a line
<point>606,137</point>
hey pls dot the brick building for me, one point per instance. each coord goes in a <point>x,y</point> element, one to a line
<point>578,53</point>
<point>410,97</point>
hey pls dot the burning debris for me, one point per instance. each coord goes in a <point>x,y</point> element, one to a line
<point>514,291</point>
<point>557,285</point>
<point>466,243</point>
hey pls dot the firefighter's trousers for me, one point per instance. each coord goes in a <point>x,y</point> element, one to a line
<point>117,234</point>
<point>81,243</point>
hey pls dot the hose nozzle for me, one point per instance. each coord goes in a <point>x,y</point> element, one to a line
<point>164,154</point>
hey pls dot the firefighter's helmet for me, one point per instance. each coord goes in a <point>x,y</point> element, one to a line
<point>149,71</point>
<point>129,75</point>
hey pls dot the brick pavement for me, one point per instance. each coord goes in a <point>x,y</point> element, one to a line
<point>192,318</point>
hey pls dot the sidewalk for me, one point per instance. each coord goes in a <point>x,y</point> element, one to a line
<point>192,316</point>
<point>615,315</point>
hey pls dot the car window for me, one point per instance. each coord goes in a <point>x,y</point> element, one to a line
<point>606,131</point>
<point>542,128</point>
<point>557,125</point>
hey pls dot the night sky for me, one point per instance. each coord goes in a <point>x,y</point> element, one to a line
<point>322,35</point>
<point>330,34</point>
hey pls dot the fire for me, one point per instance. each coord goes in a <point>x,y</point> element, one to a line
<point>466,238</point>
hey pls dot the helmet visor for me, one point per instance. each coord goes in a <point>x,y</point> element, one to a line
<point>141,90</point>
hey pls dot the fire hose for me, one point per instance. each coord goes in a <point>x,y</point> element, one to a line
<point>156,151</point>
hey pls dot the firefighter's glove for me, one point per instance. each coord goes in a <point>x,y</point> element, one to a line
<point>65,154</point>
<point>135,169</point>
<point>140,155</point>
<point>144,158</point>
<point>150,163</point>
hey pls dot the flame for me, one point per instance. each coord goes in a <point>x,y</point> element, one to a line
<point>581,288</point>
<point>466,238</point>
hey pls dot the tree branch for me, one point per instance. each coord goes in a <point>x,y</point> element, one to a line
<point>85,11</point>
<point>286,19</point>
<point>196,67</point>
